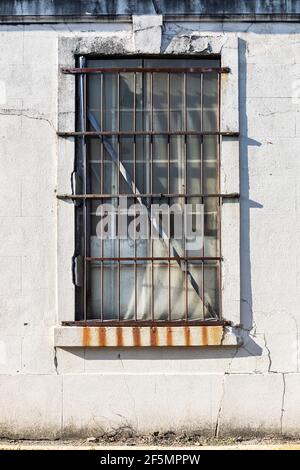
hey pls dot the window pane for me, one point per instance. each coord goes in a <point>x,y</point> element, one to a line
<point>210,102</point>
<point>161,104</point>
<point>211,291</point>
<point>193,101</point>
<point>160,101</point>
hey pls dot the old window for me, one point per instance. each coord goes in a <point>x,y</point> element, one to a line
<point>148,133</point>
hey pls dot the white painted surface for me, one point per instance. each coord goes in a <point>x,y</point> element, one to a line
<point>253,388</point>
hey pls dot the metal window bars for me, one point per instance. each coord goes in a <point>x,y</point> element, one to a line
<point>110,141</point>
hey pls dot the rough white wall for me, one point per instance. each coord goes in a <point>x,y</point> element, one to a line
<point>254,388</point>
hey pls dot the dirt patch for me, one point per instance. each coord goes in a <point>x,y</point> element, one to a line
<point>127,437</point>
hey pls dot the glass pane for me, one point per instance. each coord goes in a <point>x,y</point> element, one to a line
<point>194,166</point>
<point>110,291</point>
<point>144,290</point>
<point>143,165</point>
<point>110,170</point>
<point>161,291</point>
<point>94,152</point>
<point>110,102</point>
<point>177,164</point>
<point>210,102</point>
<point>211,290</point>
<point>188,62</point>
<point>160,101</point>
<point>127,293</point>
<point>127,101</point>
<point>94,299</point>
<point>160,164</point>
<point>211,242</point>
<point>126,148</point>
<point>176,102</point>
<point>195,294</point>
<point>193,101</point>
<point>94,96</point>
<point>177,292</point>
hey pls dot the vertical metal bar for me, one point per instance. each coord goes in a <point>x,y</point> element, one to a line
<point>118,199</point>
<point>82,125</point>
<point>168,189</point>
<point>101,189</point>
<point>134,179</point>
<point>151,192</point>
<point>202,184</point>
<point>185,190</point>
<point>220,200</point>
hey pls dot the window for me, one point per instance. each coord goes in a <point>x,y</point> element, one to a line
<point>148,134</point>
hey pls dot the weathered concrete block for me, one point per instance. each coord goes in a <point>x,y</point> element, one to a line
<point>251,404</point>
<point>147,33</point>
<point>10,275</point>
<point>30,406</point>
<point>10,354</point>
<point>291,405</point>
<point>93,403</point>
<point>38,353</point>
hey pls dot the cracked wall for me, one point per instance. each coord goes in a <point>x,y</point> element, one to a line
<point>249,389</point>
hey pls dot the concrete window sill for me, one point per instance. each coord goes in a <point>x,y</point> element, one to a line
<point>144,336</point>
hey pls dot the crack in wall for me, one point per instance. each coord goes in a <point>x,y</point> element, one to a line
<point>282,403</point>
<point>23,113</point>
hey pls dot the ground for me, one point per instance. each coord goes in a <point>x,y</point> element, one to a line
<point>117,440</point>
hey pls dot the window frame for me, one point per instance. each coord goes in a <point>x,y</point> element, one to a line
<point>228,176</point>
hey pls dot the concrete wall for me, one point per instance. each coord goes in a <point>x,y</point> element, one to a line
<point>253,388</point>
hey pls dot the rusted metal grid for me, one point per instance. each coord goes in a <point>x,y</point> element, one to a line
<point>83,134</point>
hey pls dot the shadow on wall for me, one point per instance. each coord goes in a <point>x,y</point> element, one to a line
<point>246,204</point>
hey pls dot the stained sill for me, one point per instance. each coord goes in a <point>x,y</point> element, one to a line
<point>67,336</point>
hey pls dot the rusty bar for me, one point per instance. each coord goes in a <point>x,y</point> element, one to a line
<point>151,190</point>
<point>129,133</point>
<point>82,123</point>
<point>140,323</point>
<point>168,184</point>
<point>220,200</point>
<point>102,189</point>
<point>118,190</point>
<point>152,258</point>
<point>185,183</point>
<point>135,196</point>
<point>134,180</point>
<point>202,183</point>
<point>88,70</point>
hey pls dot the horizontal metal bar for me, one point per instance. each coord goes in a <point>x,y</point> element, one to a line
<point>166,258</point>
<point>148,195</point>
<point>145,133</point>
<point>141,323</point>
<point>85,70</point>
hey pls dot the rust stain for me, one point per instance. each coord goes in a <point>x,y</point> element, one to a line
<point>204,335</point>
<point>169,336</point>
<point>86,336</point>
<point>119,334</point>
<point>187,335</point>
<point>102,336</point>
<point>136,333</point>
<point>153,336</point>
